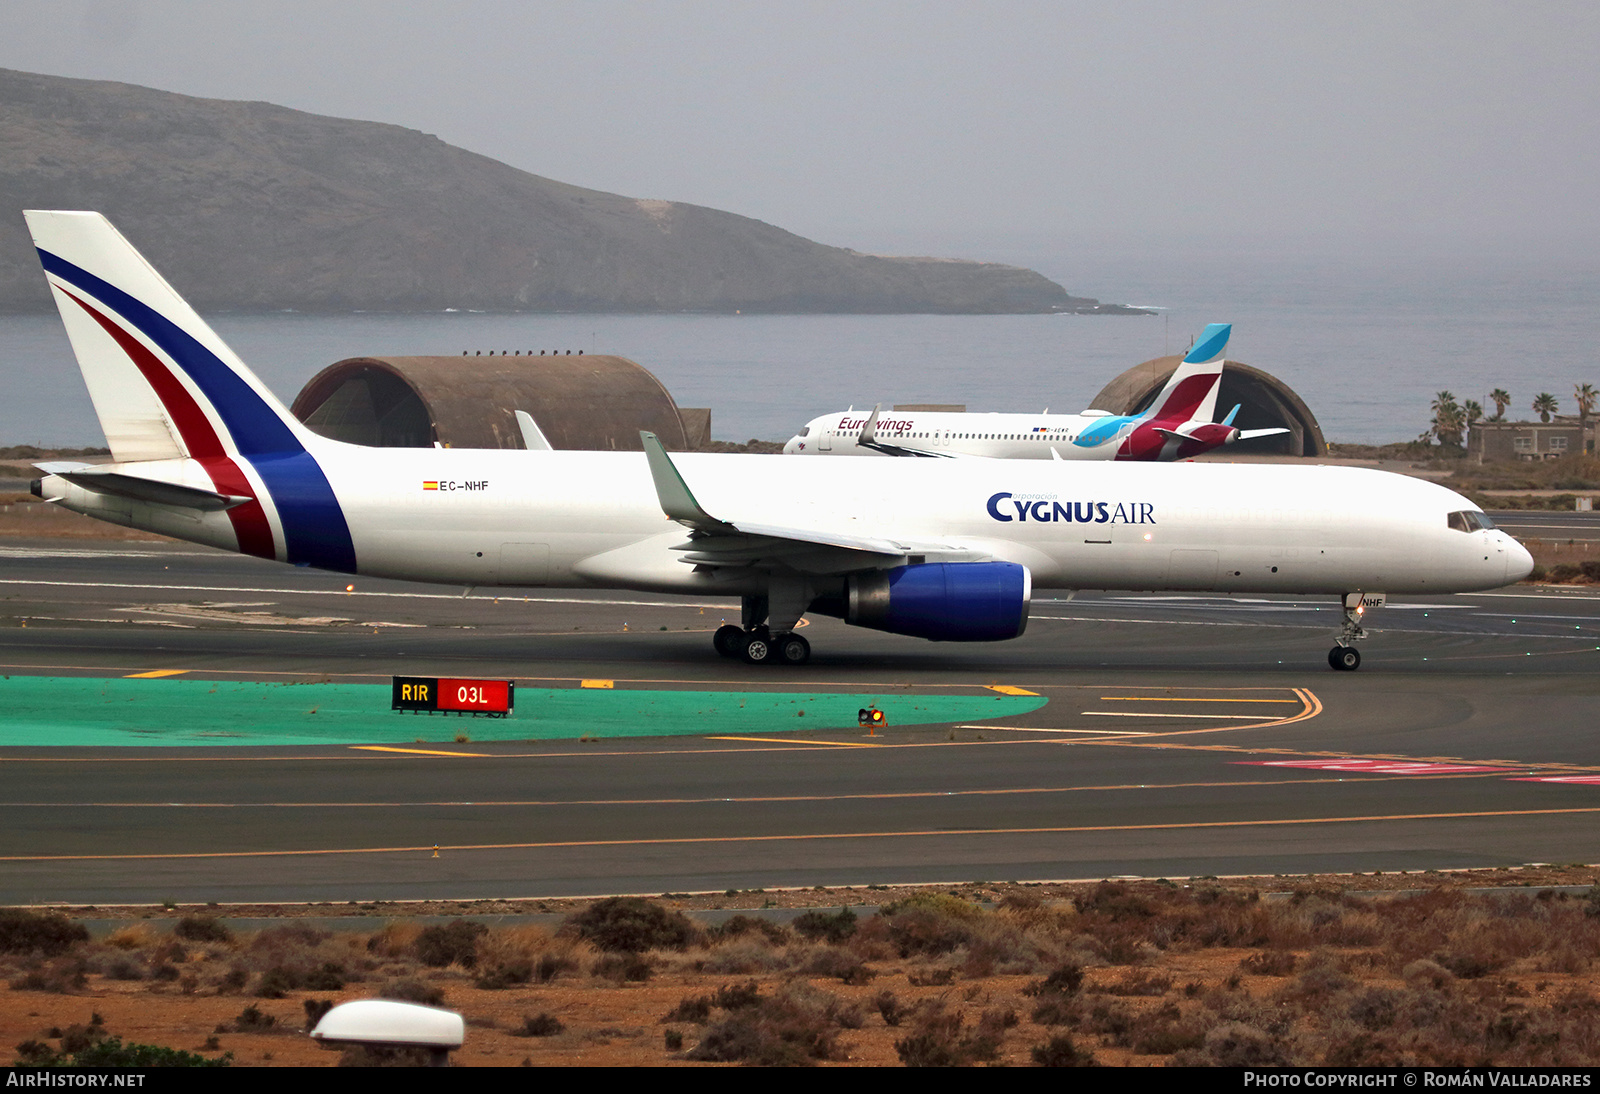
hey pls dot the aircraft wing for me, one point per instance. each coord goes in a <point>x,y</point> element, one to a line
<point>714,541</point>
<point>869,439</point>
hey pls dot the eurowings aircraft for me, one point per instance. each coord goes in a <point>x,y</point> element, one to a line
<point>1177,425</point>
<point>948,551</point>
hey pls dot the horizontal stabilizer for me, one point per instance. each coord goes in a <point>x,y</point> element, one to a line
<point>137,488</point>
<point>1252,434</point>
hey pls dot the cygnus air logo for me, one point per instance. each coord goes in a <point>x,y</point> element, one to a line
<point>1006,507</point>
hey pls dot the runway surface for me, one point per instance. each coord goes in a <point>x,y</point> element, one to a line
<point>1178,736</point>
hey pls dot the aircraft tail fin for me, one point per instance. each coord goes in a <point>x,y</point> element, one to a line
<point>164,385</point>
<point>1191,393</point>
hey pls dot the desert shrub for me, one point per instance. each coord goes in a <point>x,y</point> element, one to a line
<point>394,940</point>
<point>743,957</point>
<point>542,1024</point>
<point>622,968</point>
<point>1268,963</point>
<point>1140,982</point>
<point>111,1052</point>
<point>136,937</point>
<point>1363,1049</point>
<point>408,990</point>
<point>890,1007</point>
<point>1064,980</point>
<point>632,925</point>
<point>1166,1031</point>
<point>1060,1051</point>
<point>76,1038</point>
<point>1375,1009</point>
<point>931,923</point>
<point>1234,1044</point>
<point>822,926</point>
<point>1427,972</point>
<point>124,968</point>
<point>252,1020</point>
<point>451,944</point>
<point>790,1028</point>
<point>1471,965</point>
<point>27,932</point>
<point>737,996</point>
<point>385,1056</point>
<point>63,975</point>
<point>839,964</point>
<point>938,1040</point>
<point>202,928</point>
<point>695,1008</point>
<point>291,937</point>
<point>511,974</point>
<point>280,980</point>
<point>316,1009</point>
<point>741,926</point>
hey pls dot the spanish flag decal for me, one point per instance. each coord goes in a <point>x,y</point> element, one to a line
<point>430,484</point>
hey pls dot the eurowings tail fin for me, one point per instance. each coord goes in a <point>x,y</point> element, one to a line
<point>1191,393</point>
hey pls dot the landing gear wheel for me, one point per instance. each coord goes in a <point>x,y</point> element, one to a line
<point>728,640</point>
<point>1344,658</point>
<point>793,650</point>
<point>759,648</point>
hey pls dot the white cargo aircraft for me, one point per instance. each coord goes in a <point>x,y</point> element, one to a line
<point>1177,425</point>
<point>944,550</point>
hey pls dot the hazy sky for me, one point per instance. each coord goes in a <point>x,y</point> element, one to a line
<point>989,129</point>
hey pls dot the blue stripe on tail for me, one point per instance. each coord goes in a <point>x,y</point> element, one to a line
<point>314,527</point>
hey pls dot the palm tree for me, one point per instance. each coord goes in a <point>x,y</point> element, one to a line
<point>1501,399</point>
<point>1544,405</point>
<point>1586,396</point>
<point>1447,420</point>
<point>1471,413</point>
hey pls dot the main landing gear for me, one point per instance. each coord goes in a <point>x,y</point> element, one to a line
<point>1344,657</point>
<point>758,646</point>
<point>755,642</point>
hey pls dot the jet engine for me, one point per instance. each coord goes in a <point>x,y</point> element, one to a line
<point>942,601</point>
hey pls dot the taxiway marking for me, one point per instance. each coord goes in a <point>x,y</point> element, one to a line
<point>813,837</point>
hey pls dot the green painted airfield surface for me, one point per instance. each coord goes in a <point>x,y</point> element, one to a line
<point>46,711</point>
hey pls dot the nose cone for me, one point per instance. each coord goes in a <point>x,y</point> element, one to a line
<point>793,446</point>
<point>1519,563</point>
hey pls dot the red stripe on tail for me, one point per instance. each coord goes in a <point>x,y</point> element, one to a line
<point>250,524</point>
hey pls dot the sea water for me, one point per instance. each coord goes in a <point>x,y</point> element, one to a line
<point>1366,343</point>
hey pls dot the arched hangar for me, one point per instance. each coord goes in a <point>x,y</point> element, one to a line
<point>580,401</point>
<point>1265,402</point>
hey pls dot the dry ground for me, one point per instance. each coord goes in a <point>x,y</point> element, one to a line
<point>1191,972</point>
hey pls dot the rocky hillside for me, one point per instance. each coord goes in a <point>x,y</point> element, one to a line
<point>252,206</point>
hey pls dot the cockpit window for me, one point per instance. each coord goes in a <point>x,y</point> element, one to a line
<point>805,431</point>
<point>1469,520</point>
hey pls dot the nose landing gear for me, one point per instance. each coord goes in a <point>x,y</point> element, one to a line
<point>1345,657</point>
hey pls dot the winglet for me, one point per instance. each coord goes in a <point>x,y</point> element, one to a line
<point>677,501</point>
<point>869,432</point>
<point>533,438</point>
